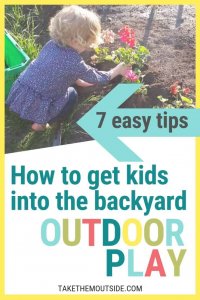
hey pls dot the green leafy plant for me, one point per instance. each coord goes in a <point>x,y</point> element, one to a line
<point>133,53</point>
<point>101,54</point>
<point>179,97</point>
<point>137,56</point>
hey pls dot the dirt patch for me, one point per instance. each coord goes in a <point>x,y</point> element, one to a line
<point>168,32</point>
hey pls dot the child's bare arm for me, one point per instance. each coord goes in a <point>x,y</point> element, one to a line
<point>120,69</point>
<point>91,75</point>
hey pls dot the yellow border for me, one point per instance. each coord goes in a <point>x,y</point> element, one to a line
<point>114,2</point>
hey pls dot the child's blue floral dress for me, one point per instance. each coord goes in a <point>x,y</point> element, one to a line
<point>40,93</point>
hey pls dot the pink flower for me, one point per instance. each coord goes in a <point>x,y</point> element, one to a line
<point>108,36</point>
<point>131,76</point>
<point>174,88</point>
<point>127,36</point>
<point>186,91</point>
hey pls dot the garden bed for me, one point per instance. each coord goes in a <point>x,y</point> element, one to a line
<point>167,31</point>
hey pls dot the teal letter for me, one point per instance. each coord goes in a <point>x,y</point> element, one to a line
<point>112,264</point>
<point>131,264</point>
<point>44,237</point>
<point>174,232</point>
<point>21,175</point>
<point>106,241</point>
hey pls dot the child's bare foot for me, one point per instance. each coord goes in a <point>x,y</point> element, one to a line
<point>39,127</point>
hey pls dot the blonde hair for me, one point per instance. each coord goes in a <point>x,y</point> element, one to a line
<point>77,24</point>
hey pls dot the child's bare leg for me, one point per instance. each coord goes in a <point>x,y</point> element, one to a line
<point>39,127</point>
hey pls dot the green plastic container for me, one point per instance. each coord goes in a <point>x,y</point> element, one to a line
<point>16,61</point>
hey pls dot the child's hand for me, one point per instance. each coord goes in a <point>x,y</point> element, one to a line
<point>123,69</point>
<point>120,69</point>
<point>83,83</point>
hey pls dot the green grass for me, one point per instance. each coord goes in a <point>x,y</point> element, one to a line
<point>20,137</point>
<point>23,28</point>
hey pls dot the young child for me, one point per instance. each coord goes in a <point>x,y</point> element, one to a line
<point>43,92</point>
